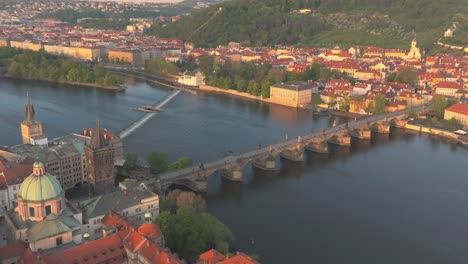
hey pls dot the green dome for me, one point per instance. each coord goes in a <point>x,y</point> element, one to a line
<point>40,186</point>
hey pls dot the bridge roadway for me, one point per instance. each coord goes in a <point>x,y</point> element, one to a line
<point>142,120</point>
<point>170,177</point>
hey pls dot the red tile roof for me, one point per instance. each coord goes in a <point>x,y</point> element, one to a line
<point>212,256</point>
<point>12,250</point>
<point>460,108</point>
<point>97,251</point>
<point>240,258</point>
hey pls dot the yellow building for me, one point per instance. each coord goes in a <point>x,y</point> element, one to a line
<point>294,94</point>
<point>126,56</point>
<point>459,112</point>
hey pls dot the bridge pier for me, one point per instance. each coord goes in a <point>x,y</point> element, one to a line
<point>267,164</point>
<point>233,174</point>
<point>382,128</point>
<point>399,123</point>
<point>319,147</point>
<point>340,140</point>
<point>200,186</point>
<point>294,153</point>
<point>364,134</point>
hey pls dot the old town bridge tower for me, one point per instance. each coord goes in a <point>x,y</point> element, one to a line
<point>100,164</point>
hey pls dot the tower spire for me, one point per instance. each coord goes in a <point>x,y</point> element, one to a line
<point>29,110</point>
<point>97,139</point>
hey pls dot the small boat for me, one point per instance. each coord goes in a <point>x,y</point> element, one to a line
<point>147,109</point>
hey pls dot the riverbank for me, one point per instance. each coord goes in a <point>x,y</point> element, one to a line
<point>438,132</point>
<point>93,85</point>
<point>208,88</point>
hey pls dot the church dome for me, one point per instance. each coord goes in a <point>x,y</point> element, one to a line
<point>40,186</point>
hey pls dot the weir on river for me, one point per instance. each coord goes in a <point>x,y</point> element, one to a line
<point>142,120</point>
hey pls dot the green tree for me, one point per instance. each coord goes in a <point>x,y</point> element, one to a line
<point>440,103</point>
<point>180,163</point>
<point>343,104</point>
<point>316,100</point>
<point>158,162</point>
<point>379,104</point>
<point>108,79</point>
<point>407,74</point>
<point>190,233</point>
<point>265,90</point>
<point>130,161</point>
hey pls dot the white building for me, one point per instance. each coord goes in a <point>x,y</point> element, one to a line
<point>191,78</point>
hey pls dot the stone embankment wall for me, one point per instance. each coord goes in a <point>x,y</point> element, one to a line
<point>433,131</point>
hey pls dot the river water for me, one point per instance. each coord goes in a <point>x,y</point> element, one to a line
<point>401,198</point>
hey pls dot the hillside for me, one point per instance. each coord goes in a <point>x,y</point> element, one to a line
<point>386,23</point>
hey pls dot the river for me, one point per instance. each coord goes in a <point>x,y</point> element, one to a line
<point>401,198</point>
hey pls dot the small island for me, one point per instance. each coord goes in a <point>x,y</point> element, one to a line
<point>43,66</point>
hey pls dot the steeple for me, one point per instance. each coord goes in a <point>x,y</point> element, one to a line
<point>97,139</point>
<point>29,111</point>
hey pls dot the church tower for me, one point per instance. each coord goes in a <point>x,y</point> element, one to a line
<point>415,52</point>
<point>31,129</point>
<point>100,164</point>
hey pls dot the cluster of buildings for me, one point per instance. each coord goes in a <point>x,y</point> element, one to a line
<point>18,29</point>
<point>110,225</point>
<point>17,12</point>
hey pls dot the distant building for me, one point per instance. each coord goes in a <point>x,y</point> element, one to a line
<point>294,94</point>
<point>448,88</point>
<point>415,52</point>
<point>133,57</point>
<point>459,112</point>
<point>191,79</point>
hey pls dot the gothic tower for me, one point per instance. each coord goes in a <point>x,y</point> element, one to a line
<point>100,164</point>
<point>30,127</point>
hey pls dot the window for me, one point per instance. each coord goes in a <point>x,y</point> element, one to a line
<point>58,241</point>
<point>48,210</point>
<point>31,212</point>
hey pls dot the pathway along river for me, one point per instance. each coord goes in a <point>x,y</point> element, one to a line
<point>397,199</point>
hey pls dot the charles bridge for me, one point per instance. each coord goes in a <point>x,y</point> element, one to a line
<point>264,158</point>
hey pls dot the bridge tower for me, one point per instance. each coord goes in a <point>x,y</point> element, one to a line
<point>100,164</point>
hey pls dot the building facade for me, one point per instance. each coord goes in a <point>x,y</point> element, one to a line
<point>294,94</point>
<point>131,201</point>
<point>459,112</point>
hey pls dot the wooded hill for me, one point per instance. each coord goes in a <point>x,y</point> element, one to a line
<point>385,23</point>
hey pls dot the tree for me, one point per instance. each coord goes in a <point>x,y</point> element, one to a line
<point>407,74</point>
<point>158,162</point>
<point>130,161</point>
<point>265,90</point>
<point>108,79</point>
<point>343,104</point>
<point>178,199</point>
<point>316,100</point>
<point>379,104</point>
<point>190,233</point>
<point>180,163</point>
<point>440,103</point>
